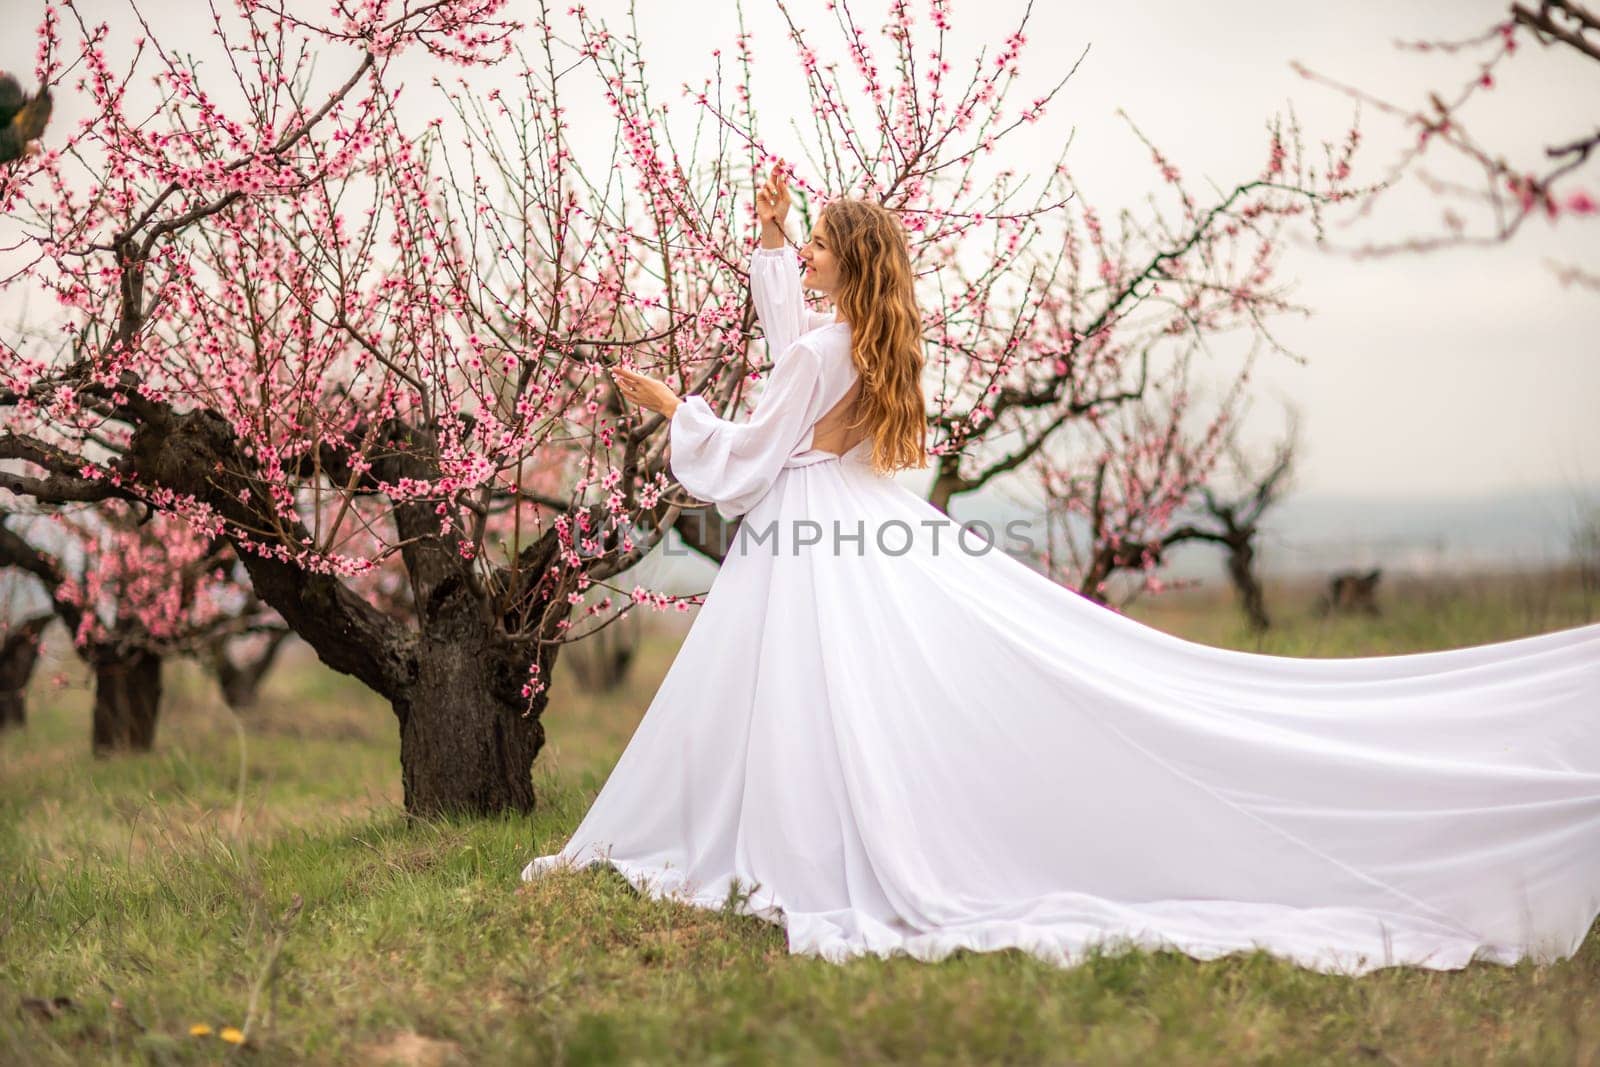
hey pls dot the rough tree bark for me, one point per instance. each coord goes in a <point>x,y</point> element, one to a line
<point>463,746</point>
<point>127,700</point>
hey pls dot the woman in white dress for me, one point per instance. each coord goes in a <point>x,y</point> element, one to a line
<point>889,739</point>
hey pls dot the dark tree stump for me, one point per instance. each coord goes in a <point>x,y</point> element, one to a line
<point>127,699</point>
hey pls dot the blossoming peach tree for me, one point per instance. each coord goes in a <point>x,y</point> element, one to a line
<point>346,337</point>
<point>133,588</point>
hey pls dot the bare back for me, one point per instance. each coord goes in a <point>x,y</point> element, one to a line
<point>832,432</point>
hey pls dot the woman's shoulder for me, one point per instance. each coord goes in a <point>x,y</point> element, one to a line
<point>823,348</point>
<point>827,353</point>
<point>830,341</point>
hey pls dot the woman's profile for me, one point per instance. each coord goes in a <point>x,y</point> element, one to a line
<point>892,737</point>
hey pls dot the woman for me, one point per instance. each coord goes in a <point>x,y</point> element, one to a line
<point>898,741</point>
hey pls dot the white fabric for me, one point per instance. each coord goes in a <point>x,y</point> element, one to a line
<point>932,749</point>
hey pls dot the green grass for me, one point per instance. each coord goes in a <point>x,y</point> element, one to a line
<point>155,890</point>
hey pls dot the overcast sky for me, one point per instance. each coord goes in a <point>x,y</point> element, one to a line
<point>1472,371</point>
<point>1451,373</point>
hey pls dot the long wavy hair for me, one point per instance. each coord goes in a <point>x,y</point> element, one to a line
<point>877,297</point>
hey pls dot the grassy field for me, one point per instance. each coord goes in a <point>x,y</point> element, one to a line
<point>257,874</point>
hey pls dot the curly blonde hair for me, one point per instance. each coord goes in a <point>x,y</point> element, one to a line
<point>876,295</point>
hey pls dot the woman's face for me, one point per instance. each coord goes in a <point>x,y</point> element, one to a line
<point>822,269</point>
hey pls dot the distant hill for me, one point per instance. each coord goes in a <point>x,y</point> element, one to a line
<point>1319,532</point>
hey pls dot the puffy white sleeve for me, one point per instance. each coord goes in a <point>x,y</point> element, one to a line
<point>780,304</point>
<point>733,464</point>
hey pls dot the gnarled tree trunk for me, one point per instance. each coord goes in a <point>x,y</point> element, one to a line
<point>127,698</point>
<point>464,746</point>
<point>1241,569</point>
<point>453,673</point>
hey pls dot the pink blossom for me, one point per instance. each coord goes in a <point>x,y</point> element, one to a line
<point>1579,202</point>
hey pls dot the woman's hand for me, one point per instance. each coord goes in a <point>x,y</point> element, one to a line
<point>646,392</point>
<point>772,200</point>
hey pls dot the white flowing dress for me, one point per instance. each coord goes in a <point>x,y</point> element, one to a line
<point>898,743</point>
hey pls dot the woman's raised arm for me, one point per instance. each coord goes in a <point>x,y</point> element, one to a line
<point>775,273</point>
